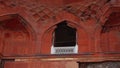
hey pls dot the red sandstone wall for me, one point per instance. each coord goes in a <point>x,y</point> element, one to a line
<point>43,64</point>
<point>35,40</point>
<point>88,20</point>
<point>110,42</point>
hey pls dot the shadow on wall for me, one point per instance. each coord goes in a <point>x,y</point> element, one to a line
<point>17,35</point>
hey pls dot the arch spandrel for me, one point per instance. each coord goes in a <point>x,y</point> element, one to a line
<point>73,21</point>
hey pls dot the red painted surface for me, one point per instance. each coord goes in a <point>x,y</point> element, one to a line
<point>30,31</point>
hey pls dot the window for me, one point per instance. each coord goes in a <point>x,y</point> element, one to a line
<point>64,35</point>
<point>64,39</point>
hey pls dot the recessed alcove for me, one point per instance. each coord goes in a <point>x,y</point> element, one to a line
<point>64,39</point>
<point>110,34</point>
<point>17,36</point>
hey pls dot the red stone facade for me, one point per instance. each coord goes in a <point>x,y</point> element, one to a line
<point>27,26</point>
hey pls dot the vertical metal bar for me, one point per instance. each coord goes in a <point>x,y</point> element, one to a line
<point>82,65</point>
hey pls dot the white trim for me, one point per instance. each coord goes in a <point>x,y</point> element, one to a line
<point>52,49</point>
<point>64,50</point>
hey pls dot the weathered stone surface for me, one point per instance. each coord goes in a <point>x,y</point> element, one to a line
<point>104,65</point>
<point>27,27</point>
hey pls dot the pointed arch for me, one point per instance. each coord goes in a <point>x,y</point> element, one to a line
<point>73,21</point>
<point>17,34</point>
<point>99,36</point>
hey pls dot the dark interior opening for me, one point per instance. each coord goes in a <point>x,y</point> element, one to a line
<point>64,35</point>
<point>3,61</point>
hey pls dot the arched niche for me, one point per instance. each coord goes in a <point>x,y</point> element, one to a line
<point>110,34</point>
<point>64,39</point>
<point>82,40</point>
<point>18,36</point>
